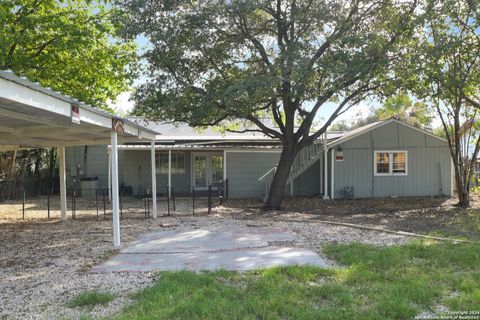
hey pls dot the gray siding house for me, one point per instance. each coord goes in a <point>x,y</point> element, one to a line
<point>383,159</point>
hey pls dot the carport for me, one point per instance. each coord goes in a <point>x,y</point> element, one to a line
<point>32,116</point>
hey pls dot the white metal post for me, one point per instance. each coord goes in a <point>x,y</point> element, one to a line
<point>169,173</point>
<point>325,167</point>
<point>224,164</point>
<point>115,199</point>
<point>63,183</point>
<point>109,175</point>
<point>332,178</point>
<point>154,181</point>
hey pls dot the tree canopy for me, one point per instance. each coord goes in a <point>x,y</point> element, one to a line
<point>70,46</point>
<point>214,61</point>
<point>444,69</point>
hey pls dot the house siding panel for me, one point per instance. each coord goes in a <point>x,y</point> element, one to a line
<point>428,164</point>
<point>244,169</point>
<point>96,164</point>
<point>308,183</point>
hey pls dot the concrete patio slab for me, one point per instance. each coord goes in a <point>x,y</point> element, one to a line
<point>227,260</point>
<point>229,247</point>
<point>212,239</point>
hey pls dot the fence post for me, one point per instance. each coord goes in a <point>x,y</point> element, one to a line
<point>96,201</point>
<point>168,200</point>
<point>173,198</point>
<point>121,205</point>
<point>193,200</point>
<point>48,205</point>
<point>23,204</point>
<point>74,195</point>
<point>104,204</point>
<point>209,201</point>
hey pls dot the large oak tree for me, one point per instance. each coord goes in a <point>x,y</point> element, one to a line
<point>217,62</point>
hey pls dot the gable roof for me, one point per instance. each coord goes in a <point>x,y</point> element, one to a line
<point>375,125</point>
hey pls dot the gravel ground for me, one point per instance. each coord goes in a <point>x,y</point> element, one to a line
<point>45,263</point>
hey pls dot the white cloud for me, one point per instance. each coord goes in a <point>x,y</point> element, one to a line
<point>123,105</point>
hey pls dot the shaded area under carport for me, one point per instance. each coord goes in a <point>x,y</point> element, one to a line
<point>32,116</point>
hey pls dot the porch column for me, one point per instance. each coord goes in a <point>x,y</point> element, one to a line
<point>109,176</point>
<point>115,199</point>
<point>224,164</point>
<point>63,183</point>
<point>325,167</point>
<point>169,173</point>
<point>154,181</point>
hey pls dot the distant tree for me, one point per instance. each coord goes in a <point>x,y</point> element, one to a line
<point>399,106</point>
<point>403,108</point>
<point>216,61</point>
<point>444,69</point>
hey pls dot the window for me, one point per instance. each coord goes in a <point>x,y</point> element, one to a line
<point>178,163</point>
<point>389,163</point>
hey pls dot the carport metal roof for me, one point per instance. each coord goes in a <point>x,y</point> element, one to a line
<point>33,116</point>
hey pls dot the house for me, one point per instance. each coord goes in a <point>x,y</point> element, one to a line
<point>383,159</point>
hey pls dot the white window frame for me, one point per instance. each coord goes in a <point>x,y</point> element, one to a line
<point>175,162</point>
<point>390,163</point>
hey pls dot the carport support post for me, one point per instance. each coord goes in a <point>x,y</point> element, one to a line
<point>63,183</point>
<point>115,200</point>
<point>109,176</point>
<point>154,182</point>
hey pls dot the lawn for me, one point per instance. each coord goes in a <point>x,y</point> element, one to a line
<point>396,282</point>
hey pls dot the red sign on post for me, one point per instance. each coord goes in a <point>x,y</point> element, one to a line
<point>339,156</point>
<point>118,125</point>
<point>75,114</point>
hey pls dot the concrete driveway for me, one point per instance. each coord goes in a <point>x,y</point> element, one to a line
<point>229,247</point>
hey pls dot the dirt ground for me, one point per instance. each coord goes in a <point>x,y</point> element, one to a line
<point>44,263</point>
<point>438,216</point>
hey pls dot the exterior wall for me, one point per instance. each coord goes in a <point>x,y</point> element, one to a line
<point>244,169</point>
<point>137,170</point>
<point>138,173</point>
<point>428,164</point>
<point>94,165</point>
<point>308,183</point>
<point>181,182</point>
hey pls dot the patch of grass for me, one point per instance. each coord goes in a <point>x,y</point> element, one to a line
<point>394,282</point>
<point>90,299</point>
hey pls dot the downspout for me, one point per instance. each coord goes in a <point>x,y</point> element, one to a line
<point>325,167</point>
<point>332,178</point>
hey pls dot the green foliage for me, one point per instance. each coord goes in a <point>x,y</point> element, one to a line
<point>394,282</point>
<point>90,299</point>
<point>403,108</point>
<point>69,46</point>
<point>211,61</point>
<point>442,66</point>
<point>215,60</point>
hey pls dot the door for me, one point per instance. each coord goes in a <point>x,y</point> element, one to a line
<point>207,169</point>
<point>200,171</point>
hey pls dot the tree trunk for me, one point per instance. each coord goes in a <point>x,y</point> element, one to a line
<point>464,198</point>
<point>277,189</point>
